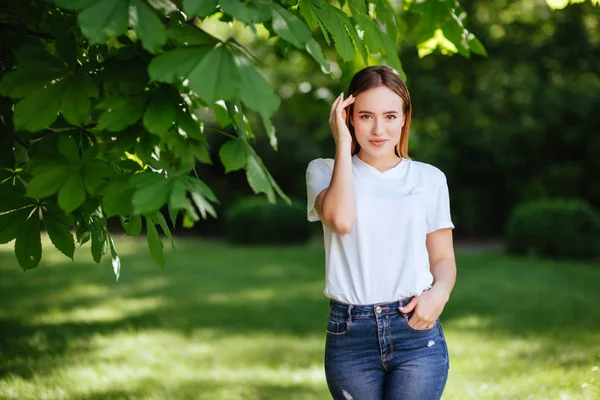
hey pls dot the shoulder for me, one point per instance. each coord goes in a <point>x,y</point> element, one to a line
<point>428,173</point>
<point>321,164</point>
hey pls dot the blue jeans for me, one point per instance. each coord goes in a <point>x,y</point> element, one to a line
<point>372,353</point>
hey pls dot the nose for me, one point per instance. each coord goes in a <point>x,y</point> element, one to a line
<point>377,127</point>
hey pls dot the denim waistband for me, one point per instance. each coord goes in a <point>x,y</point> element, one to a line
<point>367,310</point>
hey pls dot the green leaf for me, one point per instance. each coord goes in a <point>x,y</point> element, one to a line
<point>176,64</point>
<point>221,114</point>
<point>203,205</point>
<point>72,194</point>
<point>165,5</point>
<point>179,201</point>
<point>60,235</point>
<point>387,15</point>
<point>124,77</point>
<point>116,261</point>
<point>11,223</point>
<point>155,244</point>
<point>28,245</point>
<point>475,45</point>
<point>38,110</point>
<point>314,49</point>
<point>335,21</point>
<point>74,4</point>
<point>69,149</point>
<point>147,25</point>
<point>75,103</point>
<point>160,113</point>
<point>200,8</point>
<point>99,239</point>
<point>274,184</point>
<point>121,112</point>
<point>250,13</point>
<point>66,48</point>
<point>258,178</point>
<point>378,41</point>
<point>152,192</point>
<point>307,10</point>
<point>358,6</point>
<point>216,76</point>
<point>23,82</point>
<point>82,229</point>
<point>255,91</point>
<point>132,225</point>
<point>189,125</point>
<point>290,27</point>
<point>104,20</point>
<point>162,222</point>
<point>358,43</point>
<point>48,182</point>
<point>454,33</point>
<point>233,155</point>
<point>190,35</point>
<point>116,198</point>
<point>200,151</point>
<point>197,185</point>
<point>270,129</point>
<point>35,57</point>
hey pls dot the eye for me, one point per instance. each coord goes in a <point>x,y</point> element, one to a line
<point>365,116</point>
<point>391,116</point>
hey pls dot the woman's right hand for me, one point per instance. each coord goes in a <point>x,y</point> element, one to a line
<point>337,120</point>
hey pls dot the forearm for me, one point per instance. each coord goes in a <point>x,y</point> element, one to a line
<point>338,208</point>
<point>444,276</point>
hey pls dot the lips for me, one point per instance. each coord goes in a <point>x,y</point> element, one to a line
<point>377,143</point>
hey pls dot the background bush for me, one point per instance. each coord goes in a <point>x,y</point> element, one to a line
<point>252,220</point>
<point>561,228</point>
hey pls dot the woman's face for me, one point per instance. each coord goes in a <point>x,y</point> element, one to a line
<point>378,119</point>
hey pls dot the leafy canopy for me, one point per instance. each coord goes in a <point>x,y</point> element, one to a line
<point>99,100</point>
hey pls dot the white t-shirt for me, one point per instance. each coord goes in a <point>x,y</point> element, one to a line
<point>384,257</point>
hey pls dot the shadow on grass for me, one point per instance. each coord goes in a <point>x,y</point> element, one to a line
<point>212,287</point>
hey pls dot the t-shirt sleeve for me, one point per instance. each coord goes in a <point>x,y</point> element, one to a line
<point>438,216</point>
<point>318,177</point>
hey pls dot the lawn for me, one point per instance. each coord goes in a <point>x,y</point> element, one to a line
<point>223,322</point>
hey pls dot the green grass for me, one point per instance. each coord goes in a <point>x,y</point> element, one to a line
<point>222,322</point>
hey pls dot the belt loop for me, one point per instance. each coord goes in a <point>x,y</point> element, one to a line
<point>350,313</point>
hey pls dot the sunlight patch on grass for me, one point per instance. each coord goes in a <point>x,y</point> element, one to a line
<point>142,360</point>
<point>107,311</point>
<point>468,322</point>
<point>499,367</point>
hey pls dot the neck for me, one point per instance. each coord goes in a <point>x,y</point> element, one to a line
<point>382,163</point>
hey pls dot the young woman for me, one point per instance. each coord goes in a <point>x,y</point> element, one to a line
<point>388,243</point>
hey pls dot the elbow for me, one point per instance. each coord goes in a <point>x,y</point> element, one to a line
<point>343,229</point>
<point>342,226</point>
<point>339,222</point>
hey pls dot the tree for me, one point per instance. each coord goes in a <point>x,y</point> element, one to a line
<point>100,98</point>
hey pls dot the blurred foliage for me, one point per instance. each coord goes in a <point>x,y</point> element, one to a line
<point>518,125</point>
<point>252,220</point>
<point>99,114</point>
<point>560,228</point>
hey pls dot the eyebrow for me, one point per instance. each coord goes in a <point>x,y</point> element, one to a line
<point>386,112</point>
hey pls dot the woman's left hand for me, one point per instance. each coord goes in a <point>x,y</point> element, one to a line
<point>428,307</point>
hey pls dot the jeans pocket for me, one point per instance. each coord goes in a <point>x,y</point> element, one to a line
<point>337,325</point>
<point>409,326</point>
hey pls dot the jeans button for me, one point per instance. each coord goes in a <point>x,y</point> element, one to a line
<point>378,310</point>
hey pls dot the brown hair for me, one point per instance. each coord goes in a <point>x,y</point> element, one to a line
<point>370,78</point>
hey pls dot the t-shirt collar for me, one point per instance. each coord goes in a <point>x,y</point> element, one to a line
<point>391,173</point>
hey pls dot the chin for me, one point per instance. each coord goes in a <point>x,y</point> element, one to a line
<point>377,152</point>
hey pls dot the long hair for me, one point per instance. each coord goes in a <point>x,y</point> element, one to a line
<point>373,77</point>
